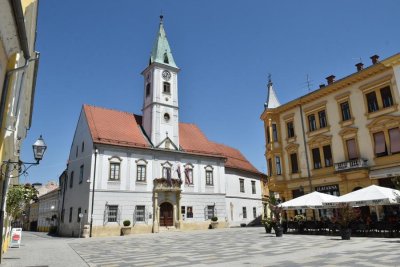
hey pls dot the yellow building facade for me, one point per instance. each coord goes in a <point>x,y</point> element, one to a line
<point>18,71</point>
<point>339,138</point>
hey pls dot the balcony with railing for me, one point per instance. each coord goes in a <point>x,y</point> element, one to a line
<point>351,165</point>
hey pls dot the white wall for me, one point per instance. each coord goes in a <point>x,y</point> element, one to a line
<point>236,200</point>
<point>78,196</point>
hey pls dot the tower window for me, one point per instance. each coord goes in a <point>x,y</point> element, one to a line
<point>166,117</point>
<point>148,89</point>
<point>166,58</point>
<point>167,88</point>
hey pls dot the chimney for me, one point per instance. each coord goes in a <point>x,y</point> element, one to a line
<point>330,79</point>
<point>374,59</point>
<point>321,85</point>
<point>359,66</point>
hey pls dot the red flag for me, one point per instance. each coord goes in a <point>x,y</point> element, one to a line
<point>187,176</point>
<point>178,171</point>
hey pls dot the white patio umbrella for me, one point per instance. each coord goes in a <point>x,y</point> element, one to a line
<point>312,200</point>
<point>368,196</point>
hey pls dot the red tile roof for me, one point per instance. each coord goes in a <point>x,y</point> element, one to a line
<point>120,128</point>
<point>235,159</point>
<point>114,127</point>
<point>192,140</point>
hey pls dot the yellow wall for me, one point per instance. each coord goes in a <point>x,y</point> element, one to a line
<point>361,127</point>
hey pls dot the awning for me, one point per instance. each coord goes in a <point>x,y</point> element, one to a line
<point>385,173</point>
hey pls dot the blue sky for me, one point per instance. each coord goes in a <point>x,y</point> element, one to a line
<point>92,52</point>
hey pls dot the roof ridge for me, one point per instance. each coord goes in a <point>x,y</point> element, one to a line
<point>112,109</point>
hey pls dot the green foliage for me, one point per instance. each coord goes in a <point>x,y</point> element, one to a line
<point>214,219</point>
<point>18,197</point>
<point>276,210</point>
<point>299,218</point>
<point>347,214</point>
<point>127,222</point>
<point>53,230</point>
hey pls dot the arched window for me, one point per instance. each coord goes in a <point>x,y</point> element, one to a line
<point>166,58</point>
<point>167,88</point>
<point>209,175</point>
<point>141,167</point>
<point>115,168</point>
<point>166,170</point>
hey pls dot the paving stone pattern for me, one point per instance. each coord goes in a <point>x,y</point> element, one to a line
<point>237,247</point>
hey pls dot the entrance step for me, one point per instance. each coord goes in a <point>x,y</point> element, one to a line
<point>168,229</point>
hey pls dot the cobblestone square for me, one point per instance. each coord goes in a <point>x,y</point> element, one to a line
<point>221,247</point>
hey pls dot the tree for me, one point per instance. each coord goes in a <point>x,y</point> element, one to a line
<point>18,197</point>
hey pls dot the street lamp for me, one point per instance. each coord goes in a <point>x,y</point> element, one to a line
<point>8,167</point>
<point>39,147</point>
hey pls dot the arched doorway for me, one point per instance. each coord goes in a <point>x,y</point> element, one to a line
<point>166,214</point>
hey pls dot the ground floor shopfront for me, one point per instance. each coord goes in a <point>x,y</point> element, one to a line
<point>338,184</point>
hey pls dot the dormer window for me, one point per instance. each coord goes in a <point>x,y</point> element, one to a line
<point>166,88</point>
<point>166,58</point>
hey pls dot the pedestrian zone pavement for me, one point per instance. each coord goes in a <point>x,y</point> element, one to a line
<point>217,247</point>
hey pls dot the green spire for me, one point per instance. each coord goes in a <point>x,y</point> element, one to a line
<point>161,52</point>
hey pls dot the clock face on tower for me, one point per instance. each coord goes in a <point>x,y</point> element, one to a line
<point>166,75</point>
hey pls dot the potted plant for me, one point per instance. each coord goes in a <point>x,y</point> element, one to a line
<point>267,222</point>
<point>214,222</point>
<point>276,219</point>
<point>126,229</point>
<point>346,215</point>
<point>300,219</point>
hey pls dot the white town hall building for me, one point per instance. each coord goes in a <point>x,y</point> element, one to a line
<point>152,169</point>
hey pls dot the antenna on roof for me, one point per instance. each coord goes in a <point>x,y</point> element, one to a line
<point>308,83</point>
<point>358,58</point>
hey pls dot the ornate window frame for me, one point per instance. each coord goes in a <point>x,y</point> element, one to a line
<point>210,180</point>
<point>384,124</point>
<point>376,86</point>
<point>348,134</point>
<point>319,142</point>
<point>314,110</point>
<point>164,166</point>
<point>290,119</point>
<point>293,149</point>
<point>141,163</point>
<point>117,161</point>
<point>341,99</point>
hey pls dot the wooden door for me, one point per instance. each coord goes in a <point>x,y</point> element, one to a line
<point>166,214</point>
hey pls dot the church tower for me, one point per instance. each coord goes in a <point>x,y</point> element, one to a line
<point>160,103</point>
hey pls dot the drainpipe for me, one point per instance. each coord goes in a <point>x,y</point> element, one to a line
<point>96,151</point>
<point>6,86</point>
<point>306,153</point>
<point>305,147</point>
<point>20,22</point>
